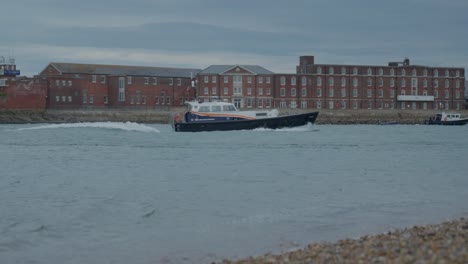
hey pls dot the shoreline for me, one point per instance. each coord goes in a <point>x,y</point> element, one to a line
<point>338,117</point>
<point>446,242</point>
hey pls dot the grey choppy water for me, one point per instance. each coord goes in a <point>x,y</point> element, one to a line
<point>132,193</point>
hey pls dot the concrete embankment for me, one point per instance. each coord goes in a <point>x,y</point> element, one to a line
<point>164,117</point>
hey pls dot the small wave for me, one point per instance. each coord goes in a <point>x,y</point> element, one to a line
<point>127,126</point>
<point>309,127</point>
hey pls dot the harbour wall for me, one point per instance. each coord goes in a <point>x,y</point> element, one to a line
<point>374,116</point>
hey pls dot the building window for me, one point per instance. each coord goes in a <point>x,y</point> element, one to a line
<point>319,92</point>
<point>355,82</point>
<point>369,81</point>
<point>343,82</point>
<point>355,92</point>
<point>268,91</point>
<point>369,92</point>
<point>282,104</point>
<point>331,81</point>
<point>331,70</point>
<point>168,100</point>
<point>343,92</point>
<point>319,70</point>
<point>283,80</point>
<point>369,71</point>
<point>146,80</point>
<point>260,91</point>
<point>446,94</point>
<point>331,92</point>
<point>304,81</point>
<point>129,80</point>
<point>392,72</point>
<point>436,94</point>
<point>156,100</point>
<point>283,92</point>
<point>414,82</point>
<point>57,98</point>
<point>64,98</point>
<point>91,99</point>
<point>457,84</point>
<point>331,105</point>
<point>293,80</point>
<point>436,83</point>
<point>103,79</point>
<point>355,104</point>
<point>380,71</point>
<point>436,73</point>
<point>380,82</point>
<point>425,92</point>
<point>85,96</point>
<point>249,79</point>
<point>132,99</point>
<point>457,73</point>
<point>403,72</point>
<point>268,103</point>
<point>413,72</point>
<point>380,93</point>
<point>446,83</point>
<point>226,90</point>
<point>249,90</point>
<point>293,92</point>
<point>268,80</point>
<point>226,79</point>
<point>93,78</point>
<point>171,81</point>
<point>213,90</point>
<point>155,81</point>
<point>57,82</point>
<point>64,83</point>
<point>249,102</point>
<point>260,103</point>
<point>425,83</point>
<point>392,93</point>
<point>106,99</point>
<point>446,73</point>
<point>303,104</point>
<point>179,82</point>
<point>260,79</point>
<point>69,99</point>
<point>403,92</point>
<point>319,81</point>
<point>403,83</point>
<point>425,73</point>
<point>303,92</point>
<point>319,104</point>
<point>343,70</point>
<point>213,79</point>
<point>392,82</point>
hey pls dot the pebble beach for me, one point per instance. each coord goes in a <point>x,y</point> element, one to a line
<point>440,243</point>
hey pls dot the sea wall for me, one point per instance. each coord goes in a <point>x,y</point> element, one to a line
<point>163,117</point>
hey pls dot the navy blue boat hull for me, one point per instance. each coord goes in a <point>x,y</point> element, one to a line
<point>460,122</point>
<point>270,123</point>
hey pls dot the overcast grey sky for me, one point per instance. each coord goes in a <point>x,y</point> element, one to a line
<point>199,33</point>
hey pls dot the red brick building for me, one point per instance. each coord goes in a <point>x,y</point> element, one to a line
<point>397,85</point>
<point>247,86</point>
<point>77,86</point>
<point>20,92</point>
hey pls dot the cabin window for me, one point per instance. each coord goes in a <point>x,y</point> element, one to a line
<point>216,108</point>
<point>229,108</point>
<point>204,108</point>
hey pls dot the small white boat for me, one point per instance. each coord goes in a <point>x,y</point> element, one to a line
<point>447,119</point>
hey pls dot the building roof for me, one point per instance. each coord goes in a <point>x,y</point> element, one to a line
<point>219,69</point>
<point>77,68</point>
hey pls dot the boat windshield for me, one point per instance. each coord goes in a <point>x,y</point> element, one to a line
<point>227,108</point>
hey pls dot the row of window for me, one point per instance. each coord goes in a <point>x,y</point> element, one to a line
<point>367,104</point>
<point>237,78</point>
<point>86,99</point>
<point>237,90</point>
<point>331,70</point>
<point>331,82</point>
<point>63,83</point>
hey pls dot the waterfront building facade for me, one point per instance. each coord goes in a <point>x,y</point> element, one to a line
<point>20,92</point>
<point>81,86</point>
<point>397,85</point>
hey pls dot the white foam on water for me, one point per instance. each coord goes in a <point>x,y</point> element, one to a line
<point>127,126</point>
<point>309,127</point>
